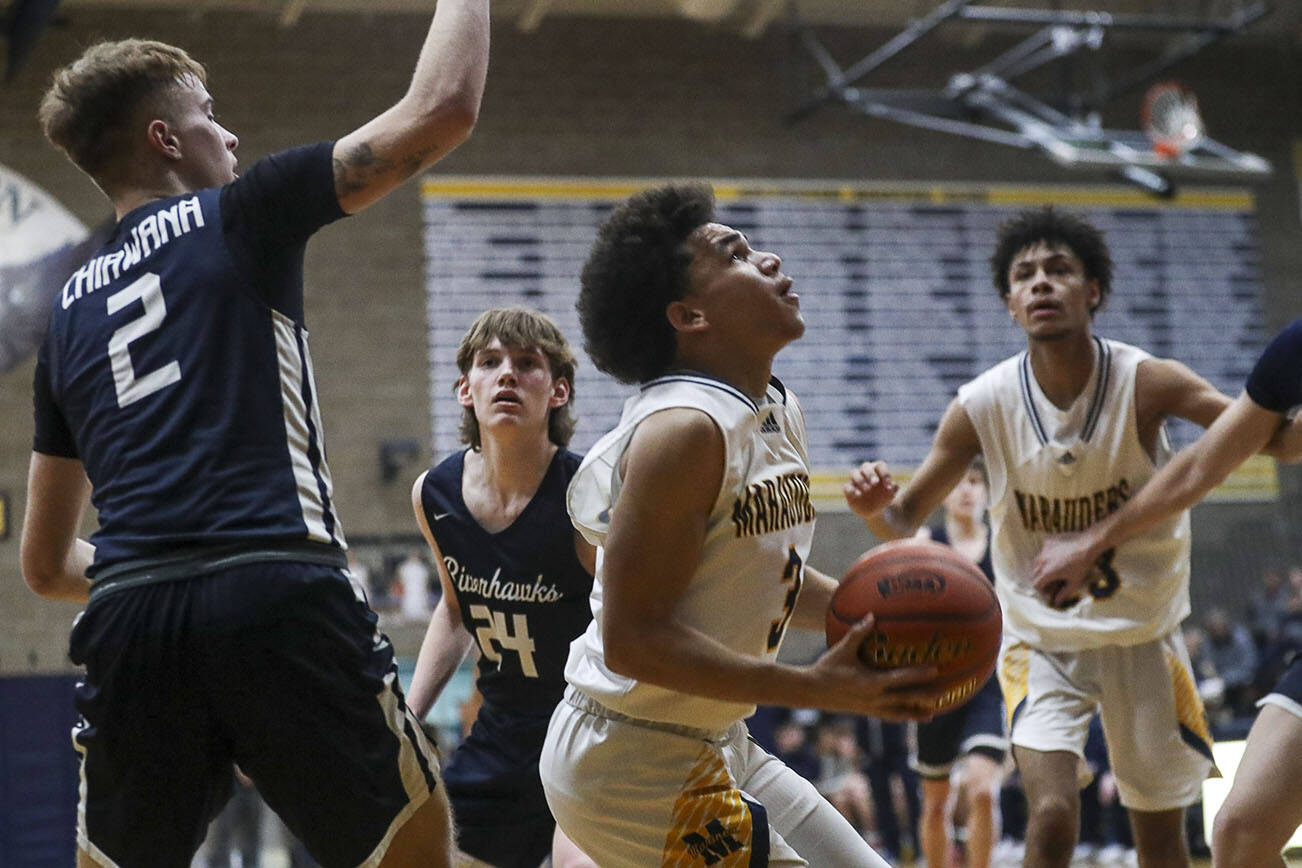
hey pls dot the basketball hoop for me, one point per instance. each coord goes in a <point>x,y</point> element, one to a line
<point>1171,119</point>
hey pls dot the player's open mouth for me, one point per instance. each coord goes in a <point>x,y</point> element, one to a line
<point>506,398</point>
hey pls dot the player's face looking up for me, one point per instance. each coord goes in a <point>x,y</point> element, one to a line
<point>1048,293</point>
<point>511,385</point>
<point>204,149</point>
<point>740,290</point>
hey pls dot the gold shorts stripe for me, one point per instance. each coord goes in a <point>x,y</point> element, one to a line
<point>711,825</point>
<point>1189,709</point>
<point>1014,678</point>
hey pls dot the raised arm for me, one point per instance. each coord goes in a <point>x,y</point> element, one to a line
<point>435,115</point>
<point>955,445</point>
<point>446,639</point>
<point>1064,563</point>
<point>673,471</point>
<point>54,559</point>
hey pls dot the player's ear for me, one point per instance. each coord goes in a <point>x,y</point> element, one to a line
<point>560,393</point>
<point>161,140</point>
<point>1096,294</point>
<point>685,317</point>
<point>463,392</point>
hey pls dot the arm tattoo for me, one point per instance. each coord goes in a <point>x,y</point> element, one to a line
<point>357,168</point>
<point>360,167</point>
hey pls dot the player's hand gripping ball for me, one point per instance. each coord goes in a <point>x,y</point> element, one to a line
<point>933,608</point>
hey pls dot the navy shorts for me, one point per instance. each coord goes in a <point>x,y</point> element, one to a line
<point>1287,694</point>
<point>276,667</point>
<point>976,726</point>
<point>496,794</point>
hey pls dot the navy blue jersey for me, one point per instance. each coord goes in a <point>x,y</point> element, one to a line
<point>176,369</point>
<point>1276,380</point>
<point>523,593</point>
<point>939,534</point>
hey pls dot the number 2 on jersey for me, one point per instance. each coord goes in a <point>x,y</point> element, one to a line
<point>148,290</point>
<point>794,573</point>
<point>493,633</point>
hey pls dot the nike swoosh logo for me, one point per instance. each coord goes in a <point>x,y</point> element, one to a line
<point>439,516</point>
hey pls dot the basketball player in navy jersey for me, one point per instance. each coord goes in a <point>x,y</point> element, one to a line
<point>1264,806</point>
<point>699,502</point>
<point>1069,429</point>
<point>175,389</point>
<point>971,735</point>
<point>516,577</point>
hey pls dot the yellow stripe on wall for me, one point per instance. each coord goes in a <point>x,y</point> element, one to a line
<point>729,189</point>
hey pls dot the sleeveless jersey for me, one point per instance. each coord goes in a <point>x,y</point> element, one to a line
<point>758,537</point>
<point>1276,380</point>
<point>940,535</point>
<point>522,592</point>
<point>1054,471</point>
<point>176,368</point>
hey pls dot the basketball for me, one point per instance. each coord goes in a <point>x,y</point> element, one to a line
<point>932,607</point>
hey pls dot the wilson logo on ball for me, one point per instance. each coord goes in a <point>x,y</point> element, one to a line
<point>912,583</point>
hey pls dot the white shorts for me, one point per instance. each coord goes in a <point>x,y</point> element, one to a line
<point>641,794</point>
<point>1158,740</point>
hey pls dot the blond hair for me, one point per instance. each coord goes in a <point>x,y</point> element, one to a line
<point>520,328</point>
<point>88,110</point>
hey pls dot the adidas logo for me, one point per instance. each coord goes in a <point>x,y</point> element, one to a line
<point>770,425</point>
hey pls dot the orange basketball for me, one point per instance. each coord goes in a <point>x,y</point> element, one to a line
<point>932,607</point>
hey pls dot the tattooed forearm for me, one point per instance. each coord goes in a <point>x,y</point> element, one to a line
<point>356,169</point>
<point>361,168</point>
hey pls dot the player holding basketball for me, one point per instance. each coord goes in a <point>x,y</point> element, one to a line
<point>1264,806</point>
<point>516,577</point>
<point>1069,429</point>
<point>699,504</point>
<point>971,735</point>
<point>175,388</point>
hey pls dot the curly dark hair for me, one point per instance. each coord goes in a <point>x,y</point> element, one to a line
<point>1051,226</point>
<point>637,266</point>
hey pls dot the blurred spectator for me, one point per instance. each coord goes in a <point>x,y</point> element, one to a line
<point>764,723</point>
<point>235,835</point>
<point>413,582</point>
<point>1210,686</point>
<point>360,574</point>
<point>1267,607</point>
<point>1234,655</point>
<point>839,777</point>
<point>896,795</point>
<point>791,745</point>
<point>1105,837</point>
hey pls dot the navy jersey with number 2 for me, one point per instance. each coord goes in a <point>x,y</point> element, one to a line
<point>176,368</point>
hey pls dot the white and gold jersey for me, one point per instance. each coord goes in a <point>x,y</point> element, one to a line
<point>1056,471</point>
<point>752,562</point>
